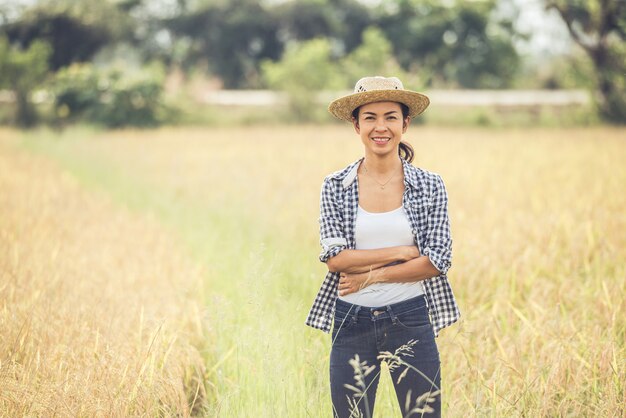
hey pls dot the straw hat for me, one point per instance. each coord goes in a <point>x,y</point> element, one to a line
<point>378,89</point>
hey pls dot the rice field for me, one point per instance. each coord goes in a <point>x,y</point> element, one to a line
<point>169,272</point>
<point>98,313</point>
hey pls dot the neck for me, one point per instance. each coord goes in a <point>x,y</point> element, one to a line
<point>382,165</point>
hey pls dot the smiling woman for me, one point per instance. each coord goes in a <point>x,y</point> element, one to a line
<point>385,235</point>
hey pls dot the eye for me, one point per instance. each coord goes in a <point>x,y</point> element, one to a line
<point>392,118</point>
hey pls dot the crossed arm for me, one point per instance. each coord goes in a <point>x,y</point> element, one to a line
<point>361,268</point>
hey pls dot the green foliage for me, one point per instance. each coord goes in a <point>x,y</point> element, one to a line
<point>456,42</point>
<point>374,56</point>
<point>76,30</point>
<point>229,37</point>
<point>450,43</point>
<point>599,28</point>
<point>571,72</point>
<point>109,97</point>
<point>306,68</point>
<point>232,38</point>
<point>341,21</point>
<point>22,71</point>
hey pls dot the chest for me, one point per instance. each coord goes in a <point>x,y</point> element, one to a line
<point>416,203</point>
<point>375,198</point>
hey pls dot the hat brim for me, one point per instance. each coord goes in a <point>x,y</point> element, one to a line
<point>343,107</point>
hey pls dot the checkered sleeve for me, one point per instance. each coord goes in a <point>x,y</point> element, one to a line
<point>438,246</point>
<point>332,236</point>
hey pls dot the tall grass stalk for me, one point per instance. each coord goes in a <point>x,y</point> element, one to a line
<point>98,307</point>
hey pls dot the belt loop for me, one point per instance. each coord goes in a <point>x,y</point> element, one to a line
<point>356,313</point>
<point>394,318</point>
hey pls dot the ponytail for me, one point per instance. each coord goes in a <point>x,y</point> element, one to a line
<point>405,151</point>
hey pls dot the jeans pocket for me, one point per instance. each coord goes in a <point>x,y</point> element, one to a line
<point>420,339</point>
<point>341,322</point>
<point>414,319</point>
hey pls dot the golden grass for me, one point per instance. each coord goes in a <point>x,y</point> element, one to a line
<point>96,311</point>
<point>539,267</point>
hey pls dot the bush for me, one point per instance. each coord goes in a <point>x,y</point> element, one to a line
<point>375,57</point>
<point>305,69</point>
<point>109,97</point>
<point>22,70</point>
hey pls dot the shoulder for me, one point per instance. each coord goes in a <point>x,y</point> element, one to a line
<point>428,181</point>
<point>344,176</point>
<point>343,173</point>
<point>430,177</point>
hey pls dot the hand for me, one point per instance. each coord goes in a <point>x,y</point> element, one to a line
<point>351,282</point>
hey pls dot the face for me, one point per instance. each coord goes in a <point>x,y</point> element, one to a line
<point>381,126</point>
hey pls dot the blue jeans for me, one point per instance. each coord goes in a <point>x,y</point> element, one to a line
<point>400,334</point>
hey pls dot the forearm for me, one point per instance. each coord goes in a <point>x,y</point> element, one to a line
<point>414,270</point>
<point>358,261</point>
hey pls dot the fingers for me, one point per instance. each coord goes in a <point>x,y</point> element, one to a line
<point>344,285</point>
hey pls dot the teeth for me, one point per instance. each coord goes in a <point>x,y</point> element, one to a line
<point>381,139</point>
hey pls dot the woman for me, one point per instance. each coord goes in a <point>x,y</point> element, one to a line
<point>386,240</point>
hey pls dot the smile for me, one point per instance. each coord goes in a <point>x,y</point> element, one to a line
<point>381,140</point>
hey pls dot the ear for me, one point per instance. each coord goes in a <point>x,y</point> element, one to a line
<point>355,123</point>
<point>406,123</point>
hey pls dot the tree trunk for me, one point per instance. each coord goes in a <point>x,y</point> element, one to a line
<point>26,115</point>
<point>610,79</point>
<point>608,59</point>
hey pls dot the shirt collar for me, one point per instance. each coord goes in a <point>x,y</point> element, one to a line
<point>348,175</point>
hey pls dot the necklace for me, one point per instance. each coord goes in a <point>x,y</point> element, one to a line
<point>382,185</point>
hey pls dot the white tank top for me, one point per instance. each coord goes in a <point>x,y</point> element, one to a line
<point>382,230</point>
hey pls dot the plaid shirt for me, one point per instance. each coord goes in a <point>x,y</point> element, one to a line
<point>426,204</point>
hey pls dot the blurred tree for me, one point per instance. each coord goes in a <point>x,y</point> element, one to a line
<point>231,36</point>
<point>152,39</point>
<point>75,29</point>
<point>342,21</point>
<point>305,69</point>
<point>113,97</point>
<point>599,27</point>
<point>22,71</point>
<point>374,56</point>
<point>458,42</point>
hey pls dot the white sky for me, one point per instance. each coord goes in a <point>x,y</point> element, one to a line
<point>549,34</point>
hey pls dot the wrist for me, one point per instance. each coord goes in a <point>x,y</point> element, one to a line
<point>410,252</point>
<point>406,253</point>
<point>379,276</point>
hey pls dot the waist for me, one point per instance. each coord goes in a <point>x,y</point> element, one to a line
<point>383,294</point>
<point>345,308</point>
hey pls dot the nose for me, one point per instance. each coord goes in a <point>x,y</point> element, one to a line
<point>381,125</point>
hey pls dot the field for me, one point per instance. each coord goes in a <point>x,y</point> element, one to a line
<point>190,255</point>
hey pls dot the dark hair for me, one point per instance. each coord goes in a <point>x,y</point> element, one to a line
<point>405,150</point>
